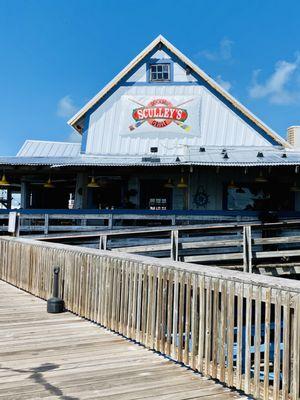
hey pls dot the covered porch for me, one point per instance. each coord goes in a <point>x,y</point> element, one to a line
<point>86,197</point>
<point>182,187</point>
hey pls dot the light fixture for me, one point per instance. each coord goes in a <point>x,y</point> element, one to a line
<point>232,185</point>
<point>49,184</point>
<point>169,184</point>
<point>182,184</point>
<point>295,188</point>
<point>93,183</point>
<point>261,178</point>
<point>4,181</point>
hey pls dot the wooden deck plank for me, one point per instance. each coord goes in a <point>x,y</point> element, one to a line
<point>65,357</point>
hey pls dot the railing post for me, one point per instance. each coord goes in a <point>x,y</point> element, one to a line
<point>46,226</point>
<point>55,304</point>
<point>103,242</point>
<point>14,223</point>
<point>247,248</point>
<point>110,221</point>
<point>295,323</point>
<point>174,245</point>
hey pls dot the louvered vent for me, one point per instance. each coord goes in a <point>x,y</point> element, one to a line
<point>293,135</point>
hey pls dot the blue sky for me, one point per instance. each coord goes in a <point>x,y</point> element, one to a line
<point>55,55</point>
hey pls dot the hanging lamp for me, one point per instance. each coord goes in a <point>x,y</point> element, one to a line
<point>49,184</point>
<point>232,185</point>
<point>169,184</point>
<point>93,183</point>
<point>182,184</point>
<point>261,178</point>
<point>4,181</point>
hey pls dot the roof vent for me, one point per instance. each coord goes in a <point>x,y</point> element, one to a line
<point>293,136</point>
<point>177,159</point>
<point>260,154</point>
<point>225,155</point>
<point>153,149</point>
<point>223,151</point>
<point>202,149</point>
<point>283,155</point>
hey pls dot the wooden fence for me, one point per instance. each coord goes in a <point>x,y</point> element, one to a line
<point>240,328</point>
<point>272,248</point>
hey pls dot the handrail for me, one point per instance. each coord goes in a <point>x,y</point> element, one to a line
<point>240,328</point>
<point>232,245</point>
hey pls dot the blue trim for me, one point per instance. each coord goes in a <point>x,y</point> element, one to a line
<point>223,99</point>
<point>85,132</point>
<point>165,83</point>
<point>282,214</point>
<point>153,61</point>
<point>200,81</point>
<point>123,80</point>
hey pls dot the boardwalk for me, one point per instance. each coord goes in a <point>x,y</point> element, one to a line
<point>66,357</point>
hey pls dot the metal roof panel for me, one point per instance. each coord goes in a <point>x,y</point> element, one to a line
<point>40,148</point>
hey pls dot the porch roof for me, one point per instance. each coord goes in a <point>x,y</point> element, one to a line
<point>213,156</point>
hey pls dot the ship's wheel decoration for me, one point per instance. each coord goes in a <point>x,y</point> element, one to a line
<point>201,198</point>
<point>160,113</point>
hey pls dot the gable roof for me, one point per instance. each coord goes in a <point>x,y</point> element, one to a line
<point>213,84</point>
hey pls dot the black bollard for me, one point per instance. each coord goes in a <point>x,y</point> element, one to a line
<point>55,304</point>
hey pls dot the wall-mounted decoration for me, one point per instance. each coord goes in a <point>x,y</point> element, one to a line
<point>160,113</point>
<point>201,198</point>
<point>166,116</point>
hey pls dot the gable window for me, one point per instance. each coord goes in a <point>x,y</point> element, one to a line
<point>160,72</point>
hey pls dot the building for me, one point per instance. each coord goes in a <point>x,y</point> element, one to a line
<point>161,135</point>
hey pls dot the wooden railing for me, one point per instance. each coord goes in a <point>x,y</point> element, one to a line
<point>253,247</point>
<point>49,221</point>
<point>240,328</point>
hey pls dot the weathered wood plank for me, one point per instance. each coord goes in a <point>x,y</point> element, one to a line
<point>87,361</point>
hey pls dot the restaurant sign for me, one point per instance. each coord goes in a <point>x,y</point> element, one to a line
<point>163,115</point>
<point>160,113</point>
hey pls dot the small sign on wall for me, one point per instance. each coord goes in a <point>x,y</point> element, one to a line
<point>13,222</point>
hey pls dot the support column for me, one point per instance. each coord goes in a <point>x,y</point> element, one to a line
<point>24,194</point>
<point>81,190</point>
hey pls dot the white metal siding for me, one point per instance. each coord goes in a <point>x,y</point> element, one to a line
<point>220,126</point>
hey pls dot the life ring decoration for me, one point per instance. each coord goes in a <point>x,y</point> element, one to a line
<point>160,113</point>
<point>201,198</point>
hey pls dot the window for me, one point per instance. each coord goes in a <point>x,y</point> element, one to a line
<point>254,197</point>
<point>160,72</point>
